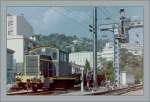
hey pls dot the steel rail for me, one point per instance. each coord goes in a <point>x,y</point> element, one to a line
<point>119,91</point>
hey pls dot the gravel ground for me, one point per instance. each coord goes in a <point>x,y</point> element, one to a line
<point>135,93</point>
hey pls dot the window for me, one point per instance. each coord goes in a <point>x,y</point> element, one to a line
<point>10,32</point>
<point>10,23</point>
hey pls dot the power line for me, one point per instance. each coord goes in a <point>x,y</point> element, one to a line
<point>116,8</point>
<point>110,14</point>
<point>107,11</point>
<point>137,35</point>
<point>73,20</point>
<point>84,19</point>
<point>106,15</point>
<point>103,12</point>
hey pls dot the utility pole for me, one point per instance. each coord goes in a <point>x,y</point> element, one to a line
<point>94,30</point>
<point>95,47</point>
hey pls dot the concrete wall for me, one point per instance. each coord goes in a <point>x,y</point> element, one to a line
<point>23,27</point>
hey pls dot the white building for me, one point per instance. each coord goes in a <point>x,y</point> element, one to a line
<point>18,25</point>
<point>20,45</point>
<point>80,58</point>
<point>135,49</point>
<point>126,78</point>
<point>18,33</point>
<point>10,66</point>
<point>108,52</point>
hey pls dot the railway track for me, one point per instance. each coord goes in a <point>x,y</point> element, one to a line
<point>39,93</point>
<point>30,93</point>
<point>120,91</point>
<point>45,92</point>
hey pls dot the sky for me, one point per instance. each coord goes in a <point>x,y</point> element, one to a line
<point>74,20</point>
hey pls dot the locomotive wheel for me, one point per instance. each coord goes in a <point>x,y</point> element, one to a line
<point>40,86</point>
<point>51,86</point>
<point>34,88</point>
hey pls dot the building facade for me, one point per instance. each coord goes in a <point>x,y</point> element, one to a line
<point>135,49</point>
<point>80,58</point>
<point>108,52</point>
<point>20,45</point>
<point>18,33</point>
<point>18,25</point>
<point>10,67</point>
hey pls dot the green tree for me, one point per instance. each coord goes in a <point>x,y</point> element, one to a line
<point>136,67</point>
<point>87,66</point>
<point>107,70</point>
<point>131,63</point>
<point>123,59</point>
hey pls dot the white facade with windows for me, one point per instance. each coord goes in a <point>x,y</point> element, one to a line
<point>80,58</point>
<point>18,25</point>
<point>19,44</point>
<point>18,33</point>
<point>108,52</point>
<point>135,49</point>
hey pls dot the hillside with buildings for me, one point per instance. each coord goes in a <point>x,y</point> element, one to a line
<point>69,43</point>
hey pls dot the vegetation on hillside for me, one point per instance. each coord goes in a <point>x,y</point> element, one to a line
<point>128,62</point>
<point>131,63</point>
<point>69,43</point>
